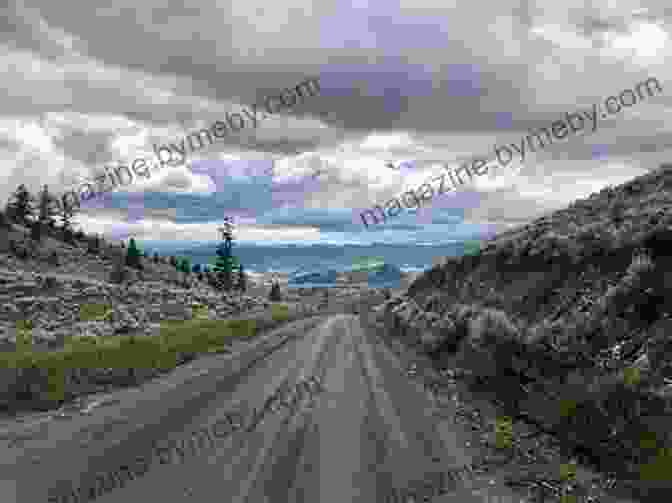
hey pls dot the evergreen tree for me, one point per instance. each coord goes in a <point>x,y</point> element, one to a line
<point>133,255</point>
<point>225,262</point>
<point>36,231</point>
<point>185,266</point>
<point>21,205</point>
<point>275,295</point>
<point>46,211</point>
<point>93,245</point>
<point>67,212</point>
<point>242,279</point>
<point>196,268</point>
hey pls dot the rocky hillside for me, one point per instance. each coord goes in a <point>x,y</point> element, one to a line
<point>568,317</point>
<point>63,320</point>
<point>47,282</point>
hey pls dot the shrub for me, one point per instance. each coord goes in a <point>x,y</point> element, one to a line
<point>36,231</point>
<point>50,282</point>
<point>280,312</point>
<point>434,303</point>
<point>490,328</point>
<point>463,315</point>
<point>95,312</point>
<point>18,250</point>
<point>53,258</point>
<point>118,274</point>
<point>659,242</point>
<point>93,245</point>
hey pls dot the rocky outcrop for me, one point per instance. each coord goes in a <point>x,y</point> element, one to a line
<point>53,306</point>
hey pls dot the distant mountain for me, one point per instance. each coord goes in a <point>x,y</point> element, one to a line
<point>384,275</point>
<point>314,277</point>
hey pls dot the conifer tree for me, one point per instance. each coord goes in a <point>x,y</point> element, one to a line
<point>242,279</point>
<point>93,244</point>
<point>20,205</point>
<point>275,295</point>
<point>225,261</point>
<point>196,269</point>
<point>67,212</point>
<point>185,266</point>
<point>133,255</point>
<point>46,211</point>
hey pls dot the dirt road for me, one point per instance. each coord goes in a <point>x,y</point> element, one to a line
<point>246,428</point>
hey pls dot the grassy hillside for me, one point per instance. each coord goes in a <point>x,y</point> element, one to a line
<point>568,318</point>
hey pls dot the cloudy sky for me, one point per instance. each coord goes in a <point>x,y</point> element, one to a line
<point>91,84</point>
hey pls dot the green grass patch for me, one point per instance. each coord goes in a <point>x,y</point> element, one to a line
<point>131,351</point>
<point>200,312</point>
<point>24,336</point>
<point>660,469</point>
<point>568,407</point>
<point>280,312</point>
<point>504,432</point>
<point>568,472</point>
<point>95,312</point>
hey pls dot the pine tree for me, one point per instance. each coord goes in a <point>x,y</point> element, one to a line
<point>93,245</point>
<point>196,269</point>
<point>67,212</point>
<point>46,211</point>
<point>275,295</point>
<point>133,255</point>
<point>185,266</point>
<point>242,279</point>
<point>225,261</point>
<point>36,231</point>
<point>21,205</point>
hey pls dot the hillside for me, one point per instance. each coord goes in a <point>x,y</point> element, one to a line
<point>65,308</point>
<point>567,320</point>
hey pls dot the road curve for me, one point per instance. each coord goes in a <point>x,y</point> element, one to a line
<point>315,412</point>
